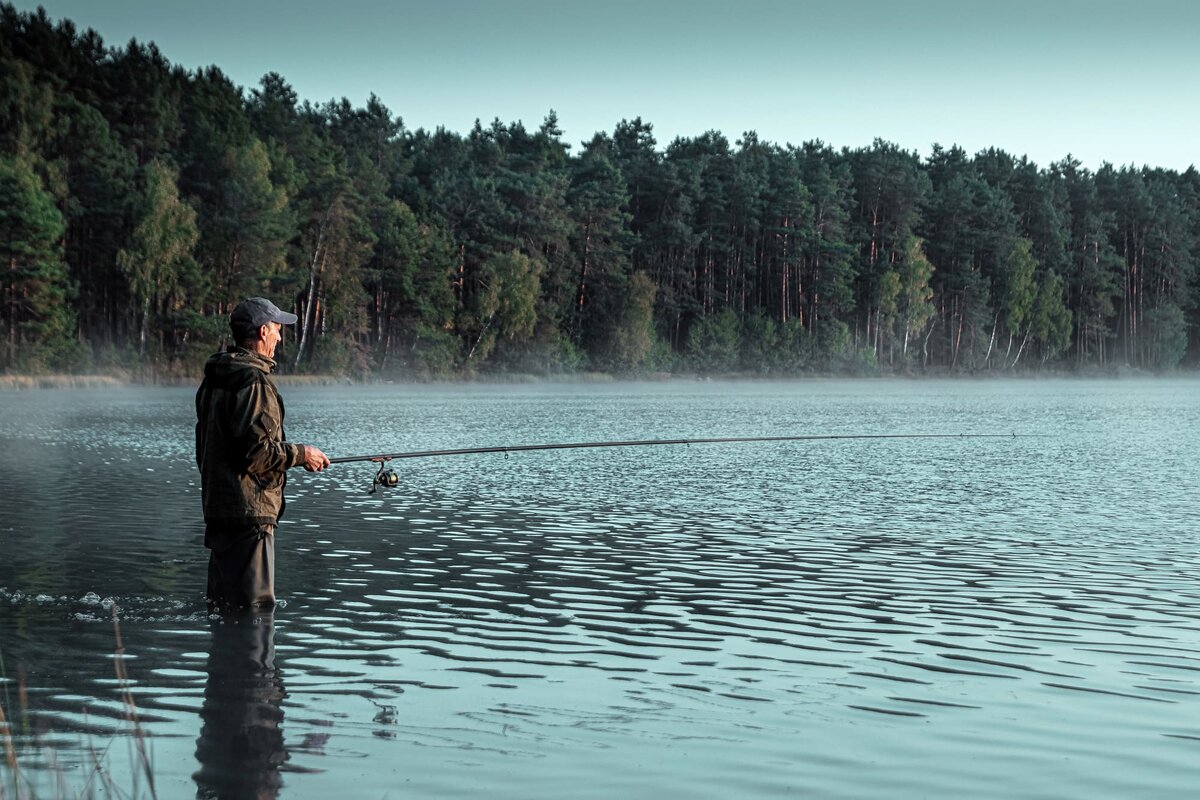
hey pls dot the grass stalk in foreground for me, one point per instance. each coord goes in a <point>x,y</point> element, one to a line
<point>21,787</point>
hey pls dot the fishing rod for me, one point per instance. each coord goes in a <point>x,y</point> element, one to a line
<point>388,478</point>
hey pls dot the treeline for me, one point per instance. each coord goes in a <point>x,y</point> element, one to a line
<point>139,201</point>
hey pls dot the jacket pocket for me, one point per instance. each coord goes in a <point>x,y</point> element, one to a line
<point>268,483</point>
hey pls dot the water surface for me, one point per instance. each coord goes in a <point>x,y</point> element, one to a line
<point>1015,617</point>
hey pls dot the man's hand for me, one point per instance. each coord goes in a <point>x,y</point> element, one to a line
<point>314,459</point>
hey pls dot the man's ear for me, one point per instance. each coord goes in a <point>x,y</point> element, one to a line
<point>264,331</point>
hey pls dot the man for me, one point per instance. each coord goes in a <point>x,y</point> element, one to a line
<point>243,456</point>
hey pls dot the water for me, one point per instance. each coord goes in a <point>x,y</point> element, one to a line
<point>898,618</point>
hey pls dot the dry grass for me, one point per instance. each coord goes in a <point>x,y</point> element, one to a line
<point>26,382</point>
<point>99,778</point>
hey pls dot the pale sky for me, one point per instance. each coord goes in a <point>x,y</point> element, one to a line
<point>1101,80</point>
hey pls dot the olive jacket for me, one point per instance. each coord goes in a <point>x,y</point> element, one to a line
<point>240,443</point>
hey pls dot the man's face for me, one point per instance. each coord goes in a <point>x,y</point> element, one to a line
<point>270,335</point>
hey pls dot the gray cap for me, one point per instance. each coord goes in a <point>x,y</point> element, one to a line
<point>254,312</point>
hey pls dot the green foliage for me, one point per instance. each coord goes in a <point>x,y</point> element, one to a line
<point>141,201</point>
<point>159,266</point>
<point>409,277</point>
<point>1016,290</point>
<point>1168,336</point>
<point>335,299</point>
<point>602,244</point>
<point>838,352</point>
<point>760,342</point>
<point>512,282</point>
<point>35,290</point>
<point>1051,320</point>
<point>26,106</point>
<point>433,353</point>
<point>547,353</point>
<point>339,356</point>
<point>101,187</point>
<point>916,305</point>
<point>713,343</point>
<point>253,225</point>
<point>503,308</point>
<point>633,337</point>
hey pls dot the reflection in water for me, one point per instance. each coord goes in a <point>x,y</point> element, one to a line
<point>240,748</point>
<point>863,619</point>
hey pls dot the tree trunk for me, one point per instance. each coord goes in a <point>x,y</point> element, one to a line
<point>144,325</point>
<point>583,272</point>
<point>310,299</point>
<point>957,341</point>
<point>1020,349</point>
<point>925,348</point>
<point>991,341</point>
<point>479,338</point>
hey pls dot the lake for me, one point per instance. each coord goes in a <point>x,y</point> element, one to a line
<point>1013,617</point>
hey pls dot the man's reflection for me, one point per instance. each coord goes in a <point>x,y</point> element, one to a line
<point>240,748</point>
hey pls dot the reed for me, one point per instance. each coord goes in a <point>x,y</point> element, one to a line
<point>142,765</point>
<point>18,784</point>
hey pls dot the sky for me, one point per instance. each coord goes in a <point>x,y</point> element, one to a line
<point>1103,81</point>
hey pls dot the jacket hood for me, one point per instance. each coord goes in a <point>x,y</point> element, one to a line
<point>235,359</point>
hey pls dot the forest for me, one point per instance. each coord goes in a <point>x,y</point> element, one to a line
<point>139,201</point>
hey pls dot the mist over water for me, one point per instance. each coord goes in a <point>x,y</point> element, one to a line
<point>1013,617</point>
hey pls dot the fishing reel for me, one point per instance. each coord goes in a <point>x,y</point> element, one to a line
<point>386,477</point>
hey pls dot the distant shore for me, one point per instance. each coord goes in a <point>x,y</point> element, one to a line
<point>111,381</point>
<point>23,382</point>
<point>63,381</point>
<point>59,381</point>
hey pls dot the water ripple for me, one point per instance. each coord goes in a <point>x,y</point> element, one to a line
<point>791,607</point>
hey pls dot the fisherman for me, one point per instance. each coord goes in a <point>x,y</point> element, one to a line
<point>243,456</point>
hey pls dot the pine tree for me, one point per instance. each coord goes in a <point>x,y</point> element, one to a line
<point>158,263</point>
<point>601,245</point>
<point>35,289</point>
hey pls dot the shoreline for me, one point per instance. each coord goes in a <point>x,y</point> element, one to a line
<point>18,383</point>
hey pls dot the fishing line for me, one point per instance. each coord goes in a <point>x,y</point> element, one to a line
<point>388,478</point>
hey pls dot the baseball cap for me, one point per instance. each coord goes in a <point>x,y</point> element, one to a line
<point>254,312</point>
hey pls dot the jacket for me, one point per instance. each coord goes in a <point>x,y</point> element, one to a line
<point>241,447</point>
